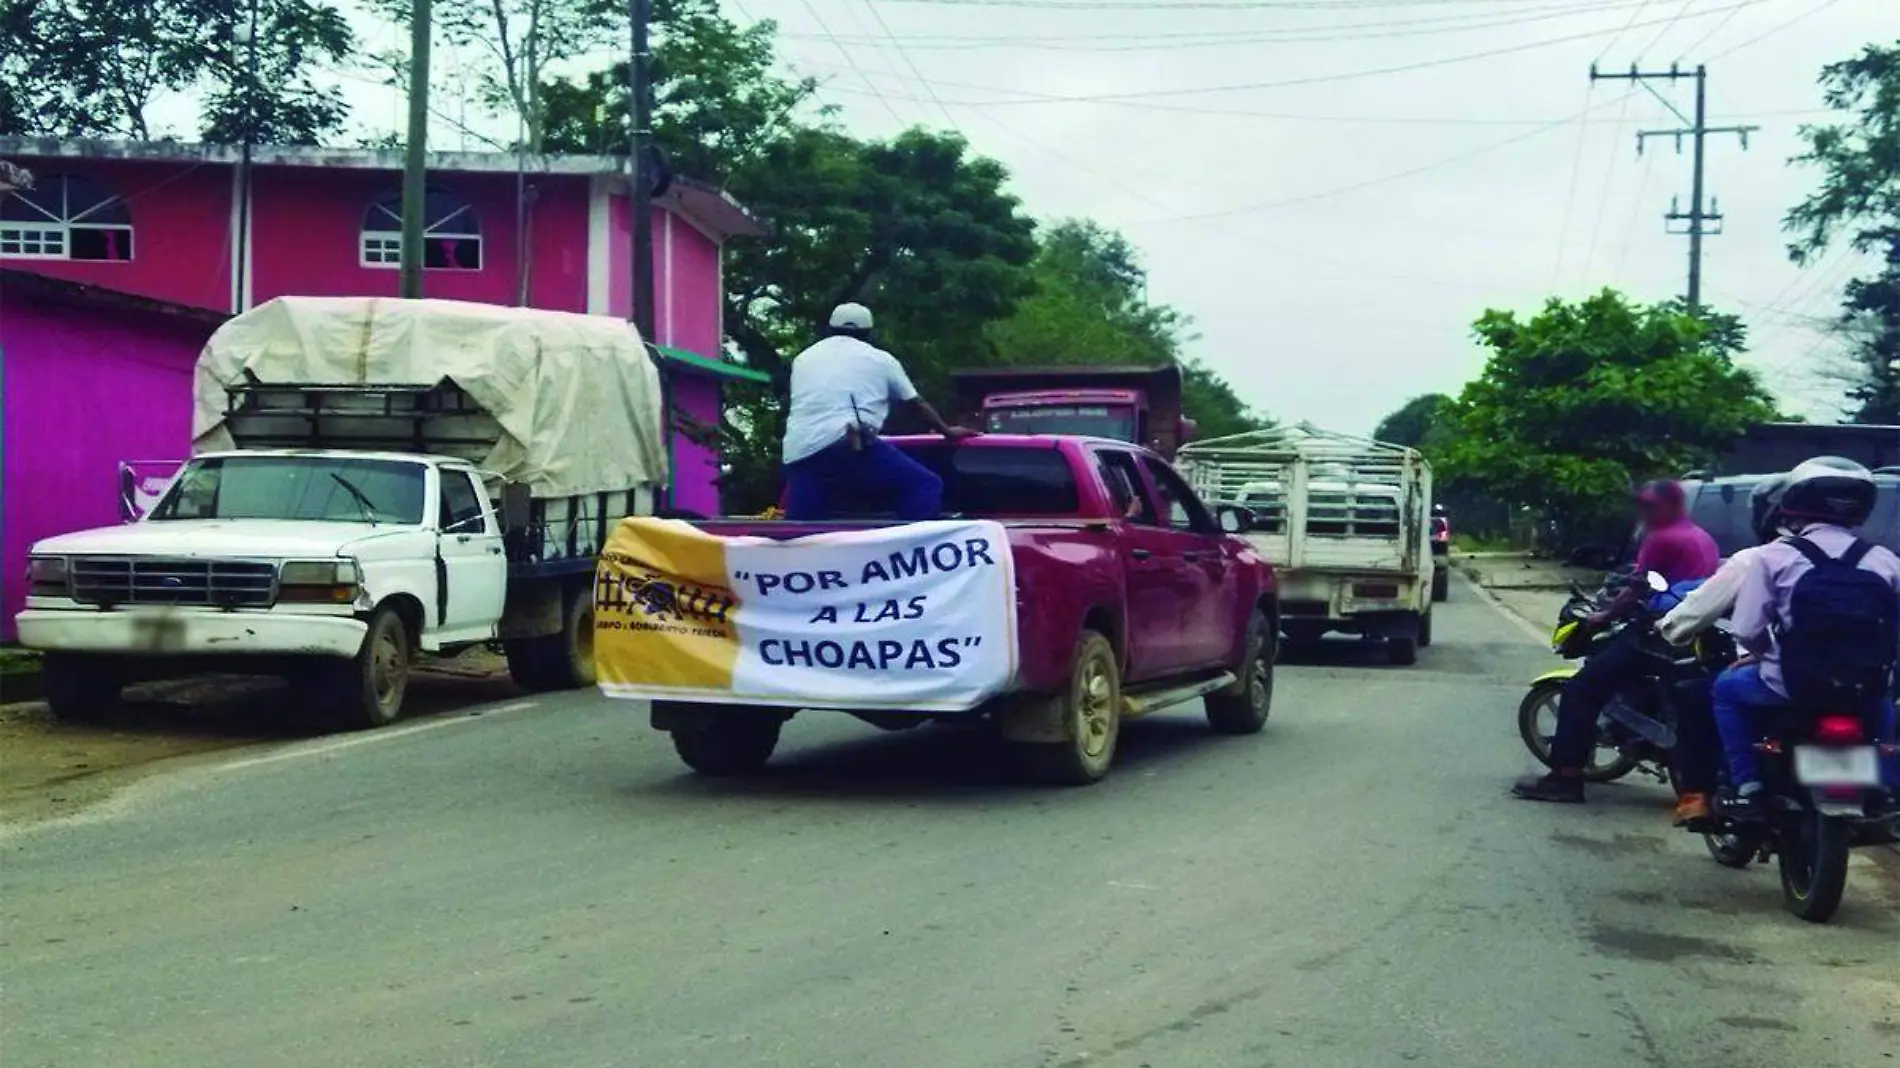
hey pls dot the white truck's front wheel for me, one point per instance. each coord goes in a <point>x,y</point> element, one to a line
<point>368,690</point>
<point>80,689</point>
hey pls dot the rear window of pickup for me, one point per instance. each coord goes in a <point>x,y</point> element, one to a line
<point>990,482</point>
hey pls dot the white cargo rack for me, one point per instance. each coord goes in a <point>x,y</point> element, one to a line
<point>1320,499</point>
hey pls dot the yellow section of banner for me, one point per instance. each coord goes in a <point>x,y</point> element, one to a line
<point>662,610</point>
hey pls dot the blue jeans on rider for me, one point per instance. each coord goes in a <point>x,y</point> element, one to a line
<point>1740,694</point>
<point>819,483</point>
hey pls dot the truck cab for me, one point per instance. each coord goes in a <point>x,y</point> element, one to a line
<point>1138,405</point>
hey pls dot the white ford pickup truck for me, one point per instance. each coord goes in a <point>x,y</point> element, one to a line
<point>320,550</point>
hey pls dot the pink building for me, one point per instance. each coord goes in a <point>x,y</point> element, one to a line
<point>174,226</point>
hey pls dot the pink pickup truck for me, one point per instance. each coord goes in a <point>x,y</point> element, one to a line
<point>1132,596</point>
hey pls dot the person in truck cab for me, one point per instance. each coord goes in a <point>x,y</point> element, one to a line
<point>1672,547</point>
<point>843,388</point>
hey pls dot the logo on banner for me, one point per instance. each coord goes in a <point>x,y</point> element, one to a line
<point>656,601</point>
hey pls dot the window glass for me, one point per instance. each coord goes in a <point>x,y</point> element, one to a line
<point>1184,510</point>
<point>65,218</point>
<point>297,487</point>
<point>461,504</point>
<point>1125,487</point>
<point>980,481</point>
<point>451,238</point>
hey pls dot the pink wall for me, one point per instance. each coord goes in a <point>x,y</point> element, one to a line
<point>307,222</point>
<point>694,308</point>
<point>84,389</point>
<point>695,466</point>
<point>181,221</point>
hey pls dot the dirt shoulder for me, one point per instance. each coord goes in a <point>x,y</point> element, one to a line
<point>50,768</point>
<point>1529,588</point>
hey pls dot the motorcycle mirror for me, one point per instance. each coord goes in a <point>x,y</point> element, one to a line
<point>1658,583</point>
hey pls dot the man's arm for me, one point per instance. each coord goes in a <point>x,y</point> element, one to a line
<point>1706,603</point>
<point>1754,605</point>
<point>935,422</point>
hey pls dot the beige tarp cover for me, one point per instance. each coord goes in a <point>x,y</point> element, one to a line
<point>576,400</point>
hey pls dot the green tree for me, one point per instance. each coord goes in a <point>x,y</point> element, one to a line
<point>1859,198</point>
<point>94,68</point>
<point>1581,401</point>
<point>1416,422</point>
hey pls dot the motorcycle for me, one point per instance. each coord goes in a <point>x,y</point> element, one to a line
<point>1822,797</point>
<point>1636,729</point>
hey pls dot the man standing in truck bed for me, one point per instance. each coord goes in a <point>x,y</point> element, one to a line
<point>842,390</point>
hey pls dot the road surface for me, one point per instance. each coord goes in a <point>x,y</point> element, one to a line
<point>543,885</point>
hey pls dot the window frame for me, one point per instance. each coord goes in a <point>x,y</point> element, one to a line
<point>1105,464</point>
<point>446,519</point>
<point>60,226</point>
<point>1199,519</point>
<point>386,240</point>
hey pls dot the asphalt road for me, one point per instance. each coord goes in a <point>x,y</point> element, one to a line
<point>543,885</point>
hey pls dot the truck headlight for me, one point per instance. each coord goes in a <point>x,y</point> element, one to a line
<point>48,576</point>
<point>318,581</point>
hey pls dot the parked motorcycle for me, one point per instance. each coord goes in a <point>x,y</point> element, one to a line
<point>1637,727</point>
<point>1822,797</point>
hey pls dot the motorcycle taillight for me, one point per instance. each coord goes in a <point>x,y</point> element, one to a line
<point>1837,730</point>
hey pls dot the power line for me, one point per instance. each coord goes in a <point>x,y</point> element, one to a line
<point>1603,200</point>
<point>1320,79</point>
<point>851,59</point>
<point>1772,31</point>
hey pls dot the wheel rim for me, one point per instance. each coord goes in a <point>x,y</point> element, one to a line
<point>1546,727</point>
<point>1096,707</point>
<point>1797,862</point>
<point>1259,681</point>
<point>386,661</point>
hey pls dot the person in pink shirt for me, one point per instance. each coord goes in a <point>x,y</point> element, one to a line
<point>1679,551</point>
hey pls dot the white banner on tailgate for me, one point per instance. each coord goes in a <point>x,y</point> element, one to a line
<point>920,616</point>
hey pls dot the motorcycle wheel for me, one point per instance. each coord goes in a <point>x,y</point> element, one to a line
<point>1813,866</point>
<point>1541,703</point>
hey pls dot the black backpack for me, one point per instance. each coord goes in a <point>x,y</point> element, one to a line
<point>1838,642</point>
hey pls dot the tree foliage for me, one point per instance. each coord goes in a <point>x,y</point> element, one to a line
<point>1417,421</point>
<point>1859,197</point>
<point>94,68</point>
<point>1859,158</point>
<point>1581,401</point>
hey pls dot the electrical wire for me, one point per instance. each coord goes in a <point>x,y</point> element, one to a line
<point>851,59</point>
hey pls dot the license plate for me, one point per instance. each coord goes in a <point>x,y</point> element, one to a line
<point>158,632</point>
<point>1837,766</point>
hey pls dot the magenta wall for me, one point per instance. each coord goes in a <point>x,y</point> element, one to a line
<point>181,221</point>
<point>83,390</point>
<point>306,223</point>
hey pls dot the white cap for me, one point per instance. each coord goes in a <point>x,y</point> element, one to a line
<point>851,317</point>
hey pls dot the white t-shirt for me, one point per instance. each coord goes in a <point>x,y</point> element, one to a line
<point>838,382</point>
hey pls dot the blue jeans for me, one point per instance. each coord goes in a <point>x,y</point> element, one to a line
<point>1739,691</point>
<point>818,484</point>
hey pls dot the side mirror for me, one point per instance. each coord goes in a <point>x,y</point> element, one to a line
<point>1235,519</point>
<point>516,504</point>
<point>1657,582</point>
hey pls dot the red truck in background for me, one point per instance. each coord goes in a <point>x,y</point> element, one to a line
<point>1132,595</point>
<point>1140,405</point>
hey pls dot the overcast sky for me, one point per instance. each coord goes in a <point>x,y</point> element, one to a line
<point>1332,221</point>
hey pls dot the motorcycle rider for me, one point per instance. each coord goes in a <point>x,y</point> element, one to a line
<point>1821,505</point>
<point>1679,551</point>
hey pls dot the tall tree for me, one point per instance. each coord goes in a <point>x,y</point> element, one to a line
<point>1582,400</point>
<point>1859,198</point>
<point>1416,422</point>
<point>270,90</point>
<point>94,68</point>
<point>519,41</point>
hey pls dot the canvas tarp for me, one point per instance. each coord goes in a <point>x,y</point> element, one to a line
<point>575,402</point>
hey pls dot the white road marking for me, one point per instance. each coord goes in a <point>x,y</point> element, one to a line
<point>1540,637</point>
<point>317,749</point>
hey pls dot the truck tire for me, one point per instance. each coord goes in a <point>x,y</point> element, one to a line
<point>725,742</point>
<point>81,689</point>
<point>1243,707</point>
<point>563,661</point>
<point>1425,629</point>
<point>1402,650</point>
<point>1441,583</point>
<point>367,690</point>
<point>1091,712</point>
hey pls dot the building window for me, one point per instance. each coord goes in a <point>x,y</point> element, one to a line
<point>65,218</point>
<point>451,234</point>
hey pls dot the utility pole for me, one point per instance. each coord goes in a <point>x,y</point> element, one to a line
<point>639,159</point>
<point>415,165</point>
<point>1696,222</point>
<point>246,35</point>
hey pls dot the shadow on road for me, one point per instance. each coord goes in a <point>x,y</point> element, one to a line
<point>942,764</point>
